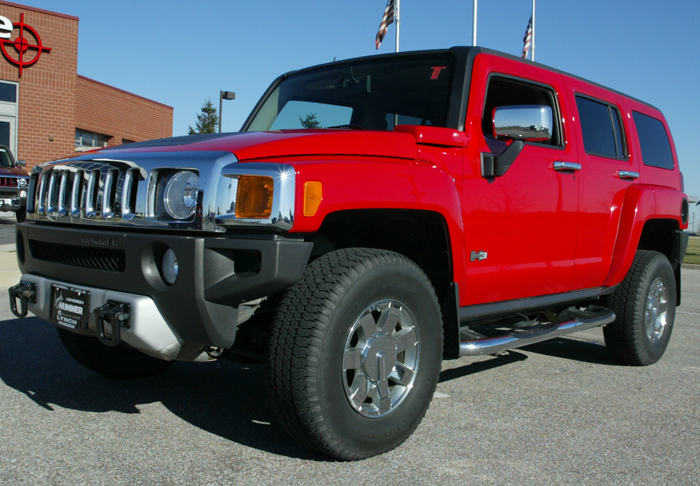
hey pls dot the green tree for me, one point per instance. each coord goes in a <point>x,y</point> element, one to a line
<point>310,121</point>
<point>207,120</point>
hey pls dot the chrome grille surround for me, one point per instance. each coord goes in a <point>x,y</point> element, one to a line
<point>93,190</point>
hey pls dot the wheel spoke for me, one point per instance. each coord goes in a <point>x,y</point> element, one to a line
<point>360,395</point>
<point>352,359</point>
<point>384,404</point>
<point>403,375</point>
<point>368,325</point>
<point>406,340</point>
<point>661,308</point>
<point>389,319</point>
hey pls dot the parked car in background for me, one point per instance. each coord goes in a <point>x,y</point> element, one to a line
<point>13,184</point>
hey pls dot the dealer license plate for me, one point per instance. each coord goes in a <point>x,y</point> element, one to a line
<point>70,307</point>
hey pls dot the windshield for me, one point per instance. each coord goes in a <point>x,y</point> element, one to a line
<point>6,158</point>
<point>375,95</point>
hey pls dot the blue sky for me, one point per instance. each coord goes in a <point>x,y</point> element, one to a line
<point>180,53</point>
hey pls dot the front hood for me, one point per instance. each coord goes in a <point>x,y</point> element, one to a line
<point>263,145</point>
<point>18,171</point>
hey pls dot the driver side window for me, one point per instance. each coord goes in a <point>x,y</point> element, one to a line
<point>506,91</point>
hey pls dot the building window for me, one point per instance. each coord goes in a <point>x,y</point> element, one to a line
<point>126,140</point>
<point>85,140</point>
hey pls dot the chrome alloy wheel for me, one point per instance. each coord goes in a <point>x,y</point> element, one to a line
<point>381,358</point>
<point>656,311</point>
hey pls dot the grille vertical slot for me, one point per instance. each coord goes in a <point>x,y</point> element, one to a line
<point>91,193</point>
<point>75,193</point>
<point>62,188</point>
<point>131,179</point>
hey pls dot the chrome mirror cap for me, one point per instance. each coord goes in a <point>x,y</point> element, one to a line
<point>529,123</point>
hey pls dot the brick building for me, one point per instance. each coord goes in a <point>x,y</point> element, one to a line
<point>47,110</point>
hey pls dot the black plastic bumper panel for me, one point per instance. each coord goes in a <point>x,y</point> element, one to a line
<point>215,274</point>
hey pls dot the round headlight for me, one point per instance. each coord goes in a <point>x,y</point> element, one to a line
<point>22,182</point>
<point>169,266</point>
<point>180,195</point>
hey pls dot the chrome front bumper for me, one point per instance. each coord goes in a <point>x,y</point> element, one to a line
<point>149,332</point>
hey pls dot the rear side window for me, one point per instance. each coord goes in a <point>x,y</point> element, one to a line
<point>656,148</point>
<point>601,128</point>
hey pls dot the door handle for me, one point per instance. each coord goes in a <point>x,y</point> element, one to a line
<point>627,174</point>
<point>566,166</point>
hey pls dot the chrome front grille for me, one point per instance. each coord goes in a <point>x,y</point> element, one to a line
<point>92,190</point>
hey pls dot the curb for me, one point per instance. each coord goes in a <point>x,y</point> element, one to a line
<point>690,266</point>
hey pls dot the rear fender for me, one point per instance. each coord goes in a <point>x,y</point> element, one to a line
<point>641,204</point>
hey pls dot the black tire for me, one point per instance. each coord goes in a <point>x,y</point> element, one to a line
<point>21,214</point>
<point>113,361</point>
<point>633,338</point>
<point>311,380</point>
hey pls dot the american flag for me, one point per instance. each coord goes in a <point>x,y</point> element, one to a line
<point>527,39</point>
<point>387,19</point>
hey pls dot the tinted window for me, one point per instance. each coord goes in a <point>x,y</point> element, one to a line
<point>8,92</point>
<point>656,148</point>
<point>511,92</point>
<point>362,94</point>
<point>601,128</point>
<point>307,114</point>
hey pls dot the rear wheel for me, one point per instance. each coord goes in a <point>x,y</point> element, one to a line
<point>355,353</point>
<point>645,305</point>
<point>114,361</point>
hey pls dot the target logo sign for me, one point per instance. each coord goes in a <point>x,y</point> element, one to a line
<point>26,49</point>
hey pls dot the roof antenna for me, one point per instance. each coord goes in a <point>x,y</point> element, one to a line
<point>333,58</point>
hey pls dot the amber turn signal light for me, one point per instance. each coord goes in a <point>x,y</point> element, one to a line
<point>313,195</point>
<point>254,197</point>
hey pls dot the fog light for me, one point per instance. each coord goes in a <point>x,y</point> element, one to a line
<point>169,266</point>
<point>22,193</point>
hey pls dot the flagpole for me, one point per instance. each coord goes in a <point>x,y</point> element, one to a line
<point>398,23</point>
<point>533,30</point>
<point>474,24</point>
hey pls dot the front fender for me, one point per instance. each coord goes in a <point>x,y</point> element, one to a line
<point>375,183</point>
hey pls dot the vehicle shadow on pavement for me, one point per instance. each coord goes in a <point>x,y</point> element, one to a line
<point>574,349</point>
<point>224,398</point>
<point>479,366</point>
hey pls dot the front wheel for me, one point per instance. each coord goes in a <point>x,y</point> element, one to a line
<point>355,353</point>
<point>645,305</point>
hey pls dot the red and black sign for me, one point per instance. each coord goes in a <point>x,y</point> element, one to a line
<point>25,50</point>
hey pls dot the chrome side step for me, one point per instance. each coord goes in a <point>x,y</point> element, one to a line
<point>518,339</point>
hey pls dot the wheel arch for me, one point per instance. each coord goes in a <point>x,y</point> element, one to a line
<point>420,235</point>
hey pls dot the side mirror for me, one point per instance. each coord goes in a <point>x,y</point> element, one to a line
<point>529,123</point>
<point>520,123</point>
<point>22,163</point>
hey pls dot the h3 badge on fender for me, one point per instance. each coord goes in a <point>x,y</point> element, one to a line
<point>478,255</point>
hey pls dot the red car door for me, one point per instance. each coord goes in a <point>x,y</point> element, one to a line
<point>520,228</point>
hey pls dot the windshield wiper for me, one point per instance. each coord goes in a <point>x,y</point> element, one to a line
<point>351,127</point>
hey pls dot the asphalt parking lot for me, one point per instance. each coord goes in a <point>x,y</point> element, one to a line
<point>559,412</point>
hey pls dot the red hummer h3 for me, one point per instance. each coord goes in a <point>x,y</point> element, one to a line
<point>373,217</point>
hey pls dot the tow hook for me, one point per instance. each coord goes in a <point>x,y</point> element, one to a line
<point>26,293</point>
<point>118,314</point>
